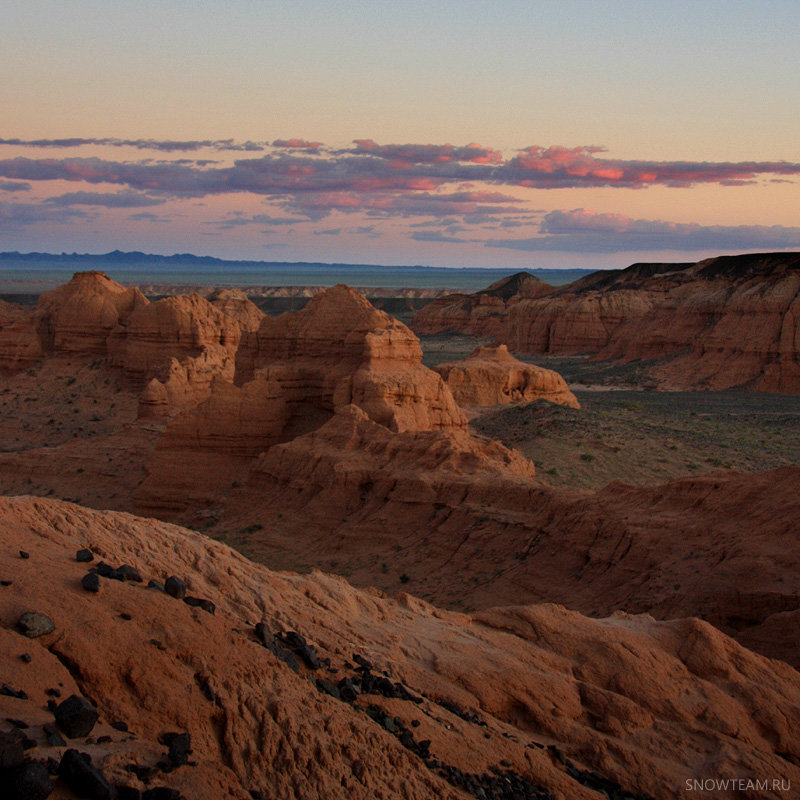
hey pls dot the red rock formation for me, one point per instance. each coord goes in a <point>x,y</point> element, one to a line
<point>235,303</point>
<point>538,694</point>
<point>181,344</point>
<point>492,376</point>
<point>480,314</point>
<point>177,327</point>
<point>75,319</point>
<point>292,375</point>
<point>78,317</point>
<point>732,321</point>
<point>718,546</point>
<point>726,322</point>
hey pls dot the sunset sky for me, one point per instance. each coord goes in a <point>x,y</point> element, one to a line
<point>508,134</point>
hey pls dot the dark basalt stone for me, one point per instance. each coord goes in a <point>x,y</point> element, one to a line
<point>155,585</point>
<point>91,582</point>
<point>30,781</point>
<point>175,587</point>
<point>107,571</point>
<point>24,554</point>
<point>347,690</point>
<point>326,687</point>
<point>9,691</point>
<point>84,556</point>
<point>125,792</point>
<point>83,778</point>
<point>129,573</point>
<point>199,602</point>
<point>52,736</point>
<point>162,793</point>
<point>11,752</point>
<point>362,662</point>
<point>306,652</point>
<point>34,624</point>
<point>180,747</point>
<point>76,716</point>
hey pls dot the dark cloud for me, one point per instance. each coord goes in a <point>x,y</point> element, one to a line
<point>438,236</point>
<point>125,199</point>
<point>17,215</point>
<point>14,186</point>
<point>328,232</point>
<point>581,231</point>
<point>238,219</point>
<point>164,146</point>
<point>148,216</point>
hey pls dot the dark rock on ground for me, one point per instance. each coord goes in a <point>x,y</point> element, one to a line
<point>326,687</point>
<point>24,554</point>
<point>175,587</point>
<point>347,690</point>
<point>34,624</point>
<point>162,793</point>
<point>129,573</point>
<point>76,716</point>
<point>83,778</point>
<point>30,781</point>
<point>107,571</point>
<point>180,747</point>
<point>125,792</point>
<point>11,752</point>
<point>306,652</point>
<point>53,737</point>
<point>91,582</point>
<point>9,691</point>
<point>199,602</point>
<point>155,585</point>
<point>84,556</point>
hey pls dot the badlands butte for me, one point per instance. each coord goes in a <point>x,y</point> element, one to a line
<point>273,556</point>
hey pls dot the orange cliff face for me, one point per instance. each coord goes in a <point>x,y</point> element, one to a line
<point>178,344</point>
<point>727,322</point>
<point>74,320</point>
<point>492,376</point>
<point>294,374</point>
<point>278,682</point>
<point>480,314</point>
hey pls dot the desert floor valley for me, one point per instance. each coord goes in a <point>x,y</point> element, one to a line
<point>530,541</point>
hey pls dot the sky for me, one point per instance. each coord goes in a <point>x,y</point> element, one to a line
<point>480,134</point>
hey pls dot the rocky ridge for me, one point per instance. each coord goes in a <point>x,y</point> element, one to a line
<point>480,314</point>
<point>725,322</point>
<point>226,680</point>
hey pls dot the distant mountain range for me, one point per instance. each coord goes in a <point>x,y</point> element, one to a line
<point>40,271</point>
<point>134,257</point>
